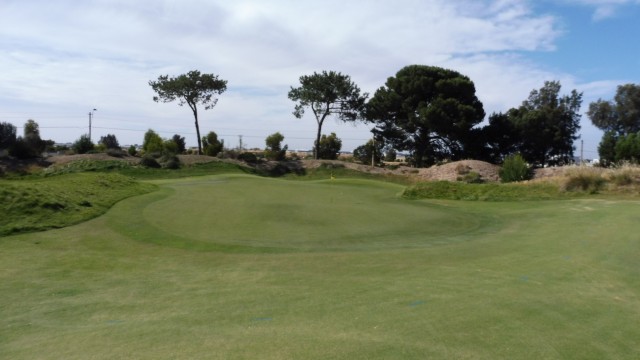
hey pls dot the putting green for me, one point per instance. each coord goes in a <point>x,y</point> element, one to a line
<point>247,213</point>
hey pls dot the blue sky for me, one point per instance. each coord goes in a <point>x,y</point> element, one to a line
<point>62,58</point>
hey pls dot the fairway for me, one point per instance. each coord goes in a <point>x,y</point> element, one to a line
<point>243,267</point>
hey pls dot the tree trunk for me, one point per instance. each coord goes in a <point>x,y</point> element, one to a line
<point>316,152</point>
<point>195,115</point>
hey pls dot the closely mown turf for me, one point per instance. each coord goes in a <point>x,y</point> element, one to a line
<point>53,202</point>
<point>242,267</point>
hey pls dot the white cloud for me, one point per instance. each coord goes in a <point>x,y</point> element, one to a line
<point>70,56</point>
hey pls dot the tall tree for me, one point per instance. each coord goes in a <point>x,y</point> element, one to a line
<point>548,124</point>
<point>192,88</point>
<point>8,135</point>
<point>328,94</point>
<point>621,115</point>
<point>426,110</point>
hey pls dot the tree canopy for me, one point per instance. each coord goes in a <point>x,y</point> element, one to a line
<point>428,111</point>
<point>192,88</point>
<point>328,94</point>
<point>548,124</point>
<point>622,115</point>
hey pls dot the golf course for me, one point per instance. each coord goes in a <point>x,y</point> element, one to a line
<point>237,266</point>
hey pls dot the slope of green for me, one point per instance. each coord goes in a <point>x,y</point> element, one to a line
<point>236,267</point>
<point>53,202</point>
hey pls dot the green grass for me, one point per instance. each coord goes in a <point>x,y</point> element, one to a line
<point>38,204</point>
<point>488,192</point>
<point>237,267</point>
<point>144,173</point>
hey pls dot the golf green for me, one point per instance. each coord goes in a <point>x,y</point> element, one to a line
<point>236,267</point>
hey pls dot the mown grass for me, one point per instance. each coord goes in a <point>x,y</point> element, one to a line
<point>45,203</point>
<point>236,267</point>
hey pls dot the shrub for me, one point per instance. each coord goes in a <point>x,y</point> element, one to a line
<point>109,141</point>
<point>211,145</point>
<point>21,150</point>
<point>149,161</point>
<point>249,158</point>
<point>171,162</point>
<point>83,145</point>
<point>590,182</point>
<point>329,147</point>
<point>274,149</point>
<point>367,152</point>
<point>180,143</point>
<point>514,168</point>
<point>115,152</point>
<point>471,177</point>
<point>132,150</point>
<point>152,143</point>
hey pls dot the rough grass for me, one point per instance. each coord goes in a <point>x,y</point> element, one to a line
<point>485,192</point>
<point>45,203</point>
<point>398,279</point>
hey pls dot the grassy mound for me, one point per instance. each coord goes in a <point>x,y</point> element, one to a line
<point>53,202</point>
<point>486,192</point>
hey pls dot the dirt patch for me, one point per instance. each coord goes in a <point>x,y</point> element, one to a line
<point>452,171</point>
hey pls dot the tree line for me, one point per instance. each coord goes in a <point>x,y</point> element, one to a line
<point>430,112</point>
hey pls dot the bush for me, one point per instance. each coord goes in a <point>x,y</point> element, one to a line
<point>329,147</point>
<point>171,162</point>
<point>132,150</point>
<point>83,145</point>
<point>591,183</point>
<point>109,141</point>
<point>211,145</point>
<point>149,161</point>
<point>514,168</point>
<point>249,158</point>
<point>21,149</point>
<point>274,150</point>
<point>116,152</point>
<point>152,143</point>
<point>471,177</point>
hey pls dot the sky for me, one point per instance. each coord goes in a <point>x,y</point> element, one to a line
<point>61,59</point>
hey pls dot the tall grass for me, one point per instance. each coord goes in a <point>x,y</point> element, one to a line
<point>54,202</point>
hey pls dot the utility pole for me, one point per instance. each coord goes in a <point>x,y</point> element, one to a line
<point>240,136</point>
<point>581,152</point>
<point>90,116</point>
